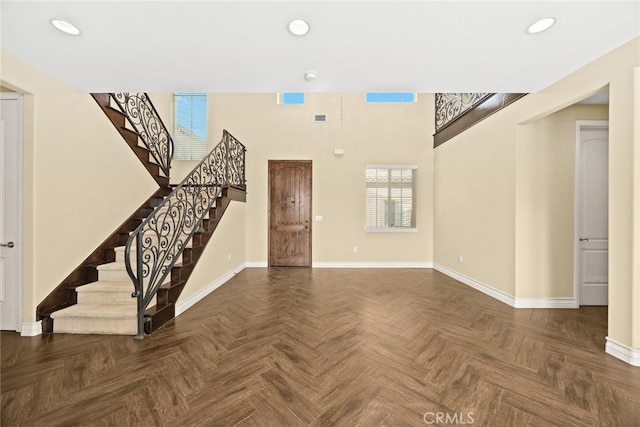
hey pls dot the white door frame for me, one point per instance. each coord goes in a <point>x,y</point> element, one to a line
<point>19,235</point>
<point>580,125</point>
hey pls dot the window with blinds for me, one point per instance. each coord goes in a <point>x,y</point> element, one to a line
<point>391,198</point>
<point>189,126</point>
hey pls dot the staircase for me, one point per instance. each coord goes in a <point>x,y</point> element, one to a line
<point>65,295</point>
<point>104,306</point>
<point>150,257</point>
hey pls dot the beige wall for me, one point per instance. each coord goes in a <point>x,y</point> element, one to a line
<point>368,133</point>
<point>476,189</point>
<point>545,187</point>
<point>622,114</point>
<point>475,203</point>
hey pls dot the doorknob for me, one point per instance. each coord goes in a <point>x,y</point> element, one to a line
<point>584,239</point>
<point>7,245</point>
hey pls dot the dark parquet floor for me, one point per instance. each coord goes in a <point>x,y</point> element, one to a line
<point>298,347</point>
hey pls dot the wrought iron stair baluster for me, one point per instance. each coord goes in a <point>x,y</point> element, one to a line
<point>162,238</point>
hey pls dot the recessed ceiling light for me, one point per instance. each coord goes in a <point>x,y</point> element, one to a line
<point>65,27</point>
<point>298,27</point>
<point>540,25</point>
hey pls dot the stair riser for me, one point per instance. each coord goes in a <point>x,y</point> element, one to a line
<point>106,297</point>
<point>120,257</point>
<point>159,318</point>
<point>166,296</point>
<point>113,275</point>
<point>126,326</point>
<point>119,275</point>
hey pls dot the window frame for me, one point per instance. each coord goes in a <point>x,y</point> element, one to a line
<point>187,145</point>
<point>413,186</point>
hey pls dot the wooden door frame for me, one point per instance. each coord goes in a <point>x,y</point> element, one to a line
<point>577,200</point>
<point>269,163</point>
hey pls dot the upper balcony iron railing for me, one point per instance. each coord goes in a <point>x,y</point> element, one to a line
<point>456,112</point>
<point>158,243</point>
<point>145,120</point>
<point>449,106</point>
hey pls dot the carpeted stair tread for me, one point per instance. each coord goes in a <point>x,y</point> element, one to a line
<point>112,266</point>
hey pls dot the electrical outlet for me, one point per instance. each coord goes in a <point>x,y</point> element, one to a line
<point>229,257</point>
<point>355,249</point>
<point>460,259</point>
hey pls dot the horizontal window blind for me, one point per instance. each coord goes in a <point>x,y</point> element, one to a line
<point>189,126</point>
<point>391,197</point>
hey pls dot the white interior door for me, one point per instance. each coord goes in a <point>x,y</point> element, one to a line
<point>593,213</point>
<point>10,170</point>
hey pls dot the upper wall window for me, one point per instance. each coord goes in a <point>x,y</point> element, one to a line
<point>391,198</point>
<point>189,126</point>
<point>291,98</point>
<point>391,97</point>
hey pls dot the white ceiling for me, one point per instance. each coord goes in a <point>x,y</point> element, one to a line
<point>355,46</point>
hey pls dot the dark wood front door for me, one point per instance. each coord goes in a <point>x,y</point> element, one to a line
<point>290,213</point>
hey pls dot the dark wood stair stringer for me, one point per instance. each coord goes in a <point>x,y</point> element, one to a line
<point>64,295</point>
<point>168,294</point>
<point>131,137</point>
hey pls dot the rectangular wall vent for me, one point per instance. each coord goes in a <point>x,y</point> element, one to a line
<point>320,118</point>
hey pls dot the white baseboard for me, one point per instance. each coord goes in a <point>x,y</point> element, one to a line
<point>31,329</point>
<point>187,303</point>
<point>263,264</point>
<point>506,298</point>
<point>485,289</point>
<point>372,265</point>
<point>623,352</point>
<point>256,264</point>
<point>545,303</point>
